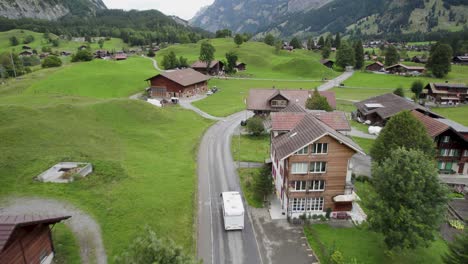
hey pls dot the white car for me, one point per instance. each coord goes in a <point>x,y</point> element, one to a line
<point>209,93</point>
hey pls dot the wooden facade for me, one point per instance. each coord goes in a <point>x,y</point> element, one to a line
<point>163,87</point>
<point>375,67</point>
<point>452,153</point>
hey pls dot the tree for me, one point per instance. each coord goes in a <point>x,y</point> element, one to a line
<point>278,46</point>
<point>223,33</point>
<point>409,201</point>
<point>183,62</point>
<point>101,43</point>
<point>439,62</point>
<point>263,184</point>
<point>55,42</point>
<point>14,41</point>
<point>358,54</point>
<point>402,130</point>
<point>82,55</point>
<point>170,61</point>
<point>321,42</point>
<point>269,40</point>
<point>255,126</point>
<point>12,69</point>
<point>28,39</point>
<point>295,43</point>
<point>399,91</point>
<point>458,250</point>
<point>238,39</point>
<point>51,61</point>
<point>345,55</point>
<point>391,56</point>
<point>417,88</point>
<point>148,248</point>
<point>326,51</point>
<point>150,53</point>
<point>318,102</point>
<point>329,40</point>
<point>207,53</point>
<point>231,58</point>
<point>310,44</point>
<point>337,41</point>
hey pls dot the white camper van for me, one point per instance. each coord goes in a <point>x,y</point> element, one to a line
<point>233,211</point>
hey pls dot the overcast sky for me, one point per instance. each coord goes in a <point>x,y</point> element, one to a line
<point>185,9</point>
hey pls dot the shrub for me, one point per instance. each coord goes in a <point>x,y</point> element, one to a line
<point>82,55</point>
<point>337,258</point>
<point>328,213</point>
<point>255,126</point>
<point>51,61</point>
<point>28,39</point>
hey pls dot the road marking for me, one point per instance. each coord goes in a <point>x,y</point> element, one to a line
<point>211,219</point>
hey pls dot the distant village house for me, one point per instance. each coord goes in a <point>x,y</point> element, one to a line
<point>214,69</point>
<point>446,93</point>
<point>401,69</point>
<point>177,83</point>
<point>375,67</point>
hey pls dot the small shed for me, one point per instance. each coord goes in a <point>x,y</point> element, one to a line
<point>27,238</point>
<point>327,63</point>
<point>240,66</point>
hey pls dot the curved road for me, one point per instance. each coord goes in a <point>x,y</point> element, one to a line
<point>217,173</point>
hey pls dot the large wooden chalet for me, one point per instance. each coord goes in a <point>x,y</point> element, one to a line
<point>401,69</point>
<point>446,93</point>
<point>311,165</point>
<point>375,67</point>
<point>177,83</point>
<point>264,101</point>
<point>463,60</point>
<point>27,239</point>
<point>214,69</point>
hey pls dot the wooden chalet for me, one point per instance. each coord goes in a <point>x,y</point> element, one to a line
<point>240,66</point>
<point>120,56</point>
<point>25,53</point>
<point>375,67</point>
<point>101,54</point>
<point>177,83</point>
<point>463,60</point>
<point>446,93</point>
<point>401,69</point>
<point>379,109</point>
<point>214,69</point>
<point>419,59</point>
<point>327,63</point>
<point>27,239</point>
<point>265,101</point>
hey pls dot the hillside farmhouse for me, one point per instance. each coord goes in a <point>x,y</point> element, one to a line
<point>401,69</point>
<point>264,101</point>
<point>375,67</point>
<point>240,66</point>
<point>419,59</point>
<point>460,60</point>
<point>177,83</point>
<point>311,165</point>
<point>214,69</point>
<point>446,93</point>
<point>27,238</point>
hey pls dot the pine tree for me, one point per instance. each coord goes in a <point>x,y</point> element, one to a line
<point>345,55</point>
<point>295,43</point>
<point>391,56</point>
<point>321,42</point>
<point>326,50</point>
<point>358,54</point>
<point>337,41</point>
<point>318,102</point>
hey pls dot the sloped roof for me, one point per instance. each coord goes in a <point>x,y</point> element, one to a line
<point>410,68</point>
<point>392,104</point>
<point>184,77</point>
<point>306,131</point>
<point>438,88</point>
<point>294,108</point>
<point>377,62</point>
<point>202,64</point>
<point>8,224</point>
<point>336,120</point>
<point>433,127</point>
<point>285,121</point>
<point>259,98</point>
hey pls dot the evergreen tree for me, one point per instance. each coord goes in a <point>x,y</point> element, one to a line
<point>329,40</point>
<point>358,54</point>
<point>402,130</point>
<point>14,41</point>
<point>391,56</point>
<point>262,184</point>
<point>269,40</point>
<point>207,53</point>
<point>440,58</point>
<point>238,39</point>
<point>295,43</point>
<point>409,201</point>
<point>417,88</point>
<point>310,44</point>
<point>318,102</point>
<point>183,62</point>
<point>321,42</point>
<point>326,51</point>
<point>231,59</point>
<point>345,55</point>
<point>399,91</point>
<point>337,41</point>
<point>458,250</point>
<point>170,61</point>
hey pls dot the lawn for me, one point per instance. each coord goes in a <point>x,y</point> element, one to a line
<point>345,106</point>
<point>364,143</point>
<point>366,247</point>
<point>262,60</point>
<point>458,114</point>
<point>233,93</point>
<point>360,126</point>
<point>254,149</point>
<point>246,179</point>
<point>66,246</point>
<point>98,79</point>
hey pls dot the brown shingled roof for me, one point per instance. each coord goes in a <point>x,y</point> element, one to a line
<point>392,104</point>
<point>8,224</point>
<point>336,120</point>
<point>259,98</point>
<point>184,77</point>
<point>202,64</point>
<point>433,127</point>
<point>285,121</point>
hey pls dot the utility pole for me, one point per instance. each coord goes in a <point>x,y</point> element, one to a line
<point>13,63</point>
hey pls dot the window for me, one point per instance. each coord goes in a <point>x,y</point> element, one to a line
<point>298,205</point>
<point>445,165</point>
<point>315,204</point>
<point>446,139</point>
<point>317,185</point>
<point>278,103</point>
<point>453,153</point>
<point>303,151</point>
<point>299,168</point>
<point>299,185</point>
<point>318,167</point>
<point>320,148</point>
<point>465,153</point>
<point>444,152</point>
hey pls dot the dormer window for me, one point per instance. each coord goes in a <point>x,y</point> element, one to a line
<point>279,103</point>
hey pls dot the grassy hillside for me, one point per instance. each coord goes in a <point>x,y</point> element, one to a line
<point>40,41</point>
<point>99,79</point>
<point>262,60</point>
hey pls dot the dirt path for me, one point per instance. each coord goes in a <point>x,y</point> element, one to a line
<point>155,63</point>
<point>83,226</point>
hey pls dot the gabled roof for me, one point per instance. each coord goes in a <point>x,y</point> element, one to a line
<point>439,88</point>
<point>259,98</point>
<point>294,108</point>
<point>202,64</point>
<point>286,121</point>
<point>184,77</point>
<point>377,62</point>
<point>308,130</point>
<point>410,68</point>
<point>8,224</point>
<point>336,120</point>
<point>433,127</point>
<point>461,58</point>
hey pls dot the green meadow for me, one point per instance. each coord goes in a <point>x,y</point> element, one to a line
<point>250,148</point>
<point>143,156</point>
<point>458,114</point>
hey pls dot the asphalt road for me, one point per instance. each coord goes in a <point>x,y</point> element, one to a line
<point>217,173</point>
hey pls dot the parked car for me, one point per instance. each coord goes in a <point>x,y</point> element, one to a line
<point>209,93</point>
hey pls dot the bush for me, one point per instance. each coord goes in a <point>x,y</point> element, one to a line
<point>28,39</point>
<point>51,61</point>
<point>337,258</point>
<point>82,55</point>
<point>328,213</point>
<point>255,126</point>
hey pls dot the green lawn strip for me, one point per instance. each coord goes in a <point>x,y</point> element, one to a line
<point>97,79</point>
<point>262,60</point>
<point>360,126</point>
<point>458,114</point>
<point>247,180</point>
<point>145,171</point>
<point>67,249</point>
<point>366,247</point>
<point>345,106</point>
<point>233,93</point>
<point>252,148</point>
<point>364,143</point>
